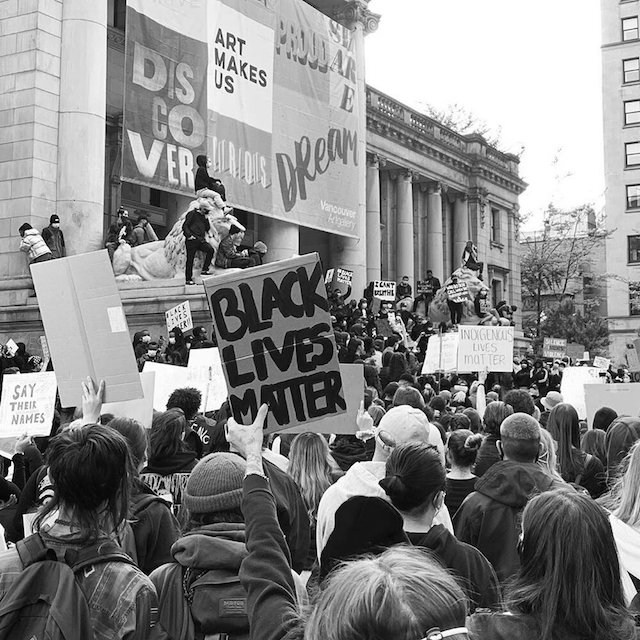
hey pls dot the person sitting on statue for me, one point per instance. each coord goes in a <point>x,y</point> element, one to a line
<point>228,255</point>
<point>470,257</point>
<point>208,187</point>
<point>143,232</point>
<point>119,231</point>
<point>403,290</point>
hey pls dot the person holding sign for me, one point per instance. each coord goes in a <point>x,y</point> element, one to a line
<point>455,297</point>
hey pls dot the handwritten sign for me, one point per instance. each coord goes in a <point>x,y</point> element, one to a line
<point>554,348</point>
<point>384,289</point>
<point>276,341</point>
<point>344,276</point>
<point>458,292</point>
<point>424,287</point>
<point>601,363</point>
<point>442,353</point>
<point>27,404</point>
<point>179,316</point>
<point>485,347</point>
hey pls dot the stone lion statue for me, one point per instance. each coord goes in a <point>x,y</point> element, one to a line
<point>165,259</point>
<point>438,309</point>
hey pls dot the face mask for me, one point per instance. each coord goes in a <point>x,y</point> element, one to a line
<point>146,338</point>
<point>188,345</point>
<point>172,340</point>
<point>55,225</point>
<point>152,354</point>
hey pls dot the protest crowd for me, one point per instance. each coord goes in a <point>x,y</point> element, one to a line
<point>456,506</point>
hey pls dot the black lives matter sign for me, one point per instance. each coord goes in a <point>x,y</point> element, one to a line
<point>276,342</point>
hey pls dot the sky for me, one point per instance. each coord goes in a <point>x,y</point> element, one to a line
<point>530,69</point>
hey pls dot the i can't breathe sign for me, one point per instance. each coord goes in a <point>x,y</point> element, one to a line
<point>276,342</point>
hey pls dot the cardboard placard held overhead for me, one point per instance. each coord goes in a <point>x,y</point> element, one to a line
<point>622,397</point>
<point>575,380</point>
<point>179,316</point>
<point>483,348</point>
<point>277,343</point>
<point>353,381</point>
<point>140,410</point>
<point>442,353</point>
<point>86,327</point>
<point>204,373</point>
<point>384,289</point>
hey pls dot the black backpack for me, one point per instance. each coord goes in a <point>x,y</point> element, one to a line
<point>217,602</point>
<point>46,601</point>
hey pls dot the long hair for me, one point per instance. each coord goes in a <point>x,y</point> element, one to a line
<point>569,578</point>
<point>135,435</point>
<point>564,427</point>
<point>399,594</point>
<point>309,467</point>
<point>494,415</point>
<point>547,458</point>
<point>165,439</point>
<point>397,366</point>
<point>414,474</point>
<point>593,442</point>
<point>625,492</point>
<point>91,471</point>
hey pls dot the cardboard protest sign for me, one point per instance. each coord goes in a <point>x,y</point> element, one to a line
<point>86,327</point>
<point>140,410</point>
<point>179,316</point>
<point>353,381</point>
<point>623,398</point>
<point>12,347</point>
<point>601,363</point>
<point>26,407</point>
<point>442,353</point>
<point>384,289</point>
<point>458,292</point>
<point>572,387</point>
<point>555,348</point>
<point>485,347</point>
<point>328,278</point>
<point>204,373</point>
<point>424,287</point>
<point>276,341</point>
<point>344,276</point>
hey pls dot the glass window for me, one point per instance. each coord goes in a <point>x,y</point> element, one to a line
<point>634,298</point>
<point>633,249</point>
<point>630,28</point>
<point>495,226</point>
<point>632,153</point>
<point>633,196</point>
<point>631,70</point>
<point>632,112</point>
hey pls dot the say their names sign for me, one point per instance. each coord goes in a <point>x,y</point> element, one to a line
<point>27,404</point>
<point>276,342</point>
<point>483,348</point>
<point>179,316</point>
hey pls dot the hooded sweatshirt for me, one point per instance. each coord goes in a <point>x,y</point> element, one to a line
<point>472,570</point>
<point>361,480</point>
<point>490,517</point>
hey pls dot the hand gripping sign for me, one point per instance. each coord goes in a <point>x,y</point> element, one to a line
<point>276,342</point>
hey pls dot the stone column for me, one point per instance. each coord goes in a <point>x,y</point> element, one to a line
<point>460,229</point>
<point>351,253</point>
<point>374,257</point>
<point>404,228</point>
<point>435,248</point>
<point>82,125</point>
<point>281,238</point>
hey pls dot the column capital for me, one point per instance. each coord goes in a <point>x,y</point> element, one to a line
<point>435,188</point>
<point>375,161</point>
<point>356,12</point>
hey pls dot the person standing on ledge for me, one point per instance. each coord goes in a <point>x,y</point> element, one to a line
<point>54,237</point>
<point>33,244</point>
<point>195,228</point>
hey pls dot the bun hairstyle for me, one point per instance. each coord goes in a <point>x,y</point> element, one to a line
<point>463,447</point>
<point>414,474</point>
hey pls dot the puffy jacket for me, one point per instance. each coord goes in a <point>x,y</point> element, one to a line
<point>196,224</point>
<point>490,517</point>
<point>33,244</point>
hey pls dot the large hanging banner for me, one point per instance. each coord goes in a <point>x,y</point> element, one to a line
<point>266,88</point>
<point>165,102</point>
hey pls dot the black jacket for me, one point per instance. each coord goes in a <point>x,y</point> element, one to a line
<point>196,224</point>
<point>472,570</point>
<point>490,517</point>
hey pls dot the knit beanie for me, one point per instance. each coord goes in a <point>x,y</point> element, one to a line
<point>215,484</point>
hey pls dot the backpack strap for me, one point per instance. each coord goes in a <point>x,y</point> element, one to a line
<point>32,549</point>
<point>106,551</point>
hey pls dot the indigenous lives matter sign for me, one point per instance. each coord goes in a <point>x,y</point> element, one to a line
<point>266,88</point>
<point>276,342</point>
